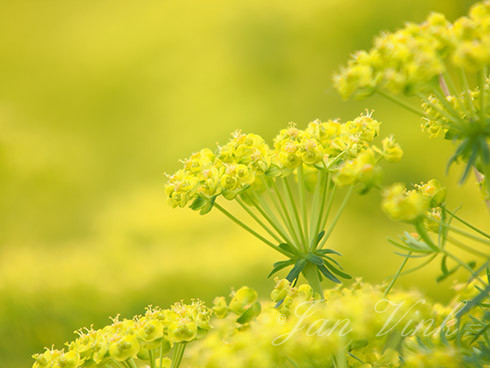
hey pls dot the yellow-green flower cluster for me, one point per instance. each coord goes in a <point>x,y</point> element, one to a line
<point>145,338</point>
<point>356,326</point>
<point>405,205</point>
<point>243,305</point>
<point>408,60</point>
<point>306,331</point>
<point>437,123</point>
<point>344,149</point>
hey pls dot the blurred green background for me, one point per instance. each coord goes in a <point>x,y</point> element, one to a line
<point>99,98</point>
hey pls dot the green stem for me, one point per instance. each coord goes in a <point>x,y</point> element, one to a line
<point>460,262</point>
<point>467,92</point>
<point>259,221</point>
<point>418,267</point>
<point>483,98</point>
<point>481,232</point>
<point>292,204</point>
<point>310,272</point>
<point>397,275</point>
<point>449,108</point>
<point>277,206</point>
<point>462,232</point>
<point>314,207</point>
<point>467,248</point>
<point>454,91</point>
<point>178,354</point>
<point>117,363</point>
<point>253,232</point>
<point>337,216</point>
<point>443,85</point>
<point>152,358</point>
<point>331,197</point>
<point>161,353</point>
<point>486,172</point>
<point>302,201</point>
<point>400,102</point>
<point>286,214</point>
<point>267,213</point>
<point>419,225</point>
<point>323,185</point>
<point>452,122</point>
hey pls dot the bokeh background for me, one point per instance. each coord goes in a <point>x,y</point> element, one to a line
<point>99,98</point>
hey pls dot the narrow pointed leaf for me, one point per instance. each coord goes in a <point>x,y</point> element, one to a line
<point>278,266</point>
<point>286,247</point>
<point>337,272</point>
<point>327,251</point>
<point>314,259</point>
<point>328,274</point>
<point>296,270</point>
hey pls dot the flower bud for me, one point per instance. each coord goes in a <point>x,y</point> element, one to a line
<point>242,298</point>
<point>182,331</point>
<point>402,205</point>
<point>281,290</point>
<point>150,331</point>
<point>433,190</point>
<point>220,307</point>
<point>391,149</point>
<point>124,348</point>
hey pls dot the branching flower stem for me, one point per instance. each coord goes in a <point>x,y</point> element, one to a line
<point>400,102</point>
<point>483,98</point>
<point>468,224</point>
<point>302,200</point>
<point>397,275</point>
<point>178,354</point>
<point>269,216</point>
<point>282,209</point>
<point>259,221</point>
<point>250,230</point>
<point>336,218</point>
<point>464,233</point>
<point>467,91</point>
<point>293,207</point>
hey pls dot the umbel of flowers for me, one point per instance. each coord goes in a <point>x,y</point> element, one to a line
<point>127,343</point>
<point>438,233</point>
<point>346,327</point>
<point>444,64</point>
<point>288,189</point>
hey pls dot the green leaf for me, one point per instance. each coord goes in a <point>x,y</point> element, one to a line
<point>469,165</point>
<point>444,265</point>
<point>328,274</point>
<point>198,203</point>
<point>314,259</point>
<point>252,312</point>
<point>334,261</point>
<point>278,266</point>
<point>320,236</point>
<point>461,150</point>
<point>208,205</point>
<point>286,247</point>
<point>327,251</point>
<point>296,270</point>
<point>337,272</point>
<point>485,151</point>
